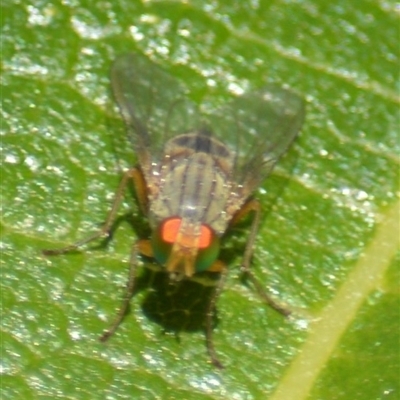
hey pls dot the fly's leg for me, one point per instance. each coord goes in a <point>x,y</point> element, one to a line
<point>138,180</point>
<point>139,247</point>
<point>130,288</point>
<point>140,186</point>
<point>217,267</point>
<point>254,206</point>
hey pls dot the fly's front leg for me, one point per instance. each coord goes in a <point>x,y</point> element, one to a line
<point>254,206</point>
<point>217,267</point>
<point>142,247</point>
<point>129,292</point>
<point>138,179</point>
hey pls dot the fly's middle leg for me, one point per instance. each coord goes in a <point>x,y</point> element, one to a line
<point>136,176</point>
<point>133,174</point>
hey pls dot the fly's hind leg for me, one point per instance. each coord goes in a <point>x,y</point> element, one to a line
<point>137,177</point>
<point>254,206</point>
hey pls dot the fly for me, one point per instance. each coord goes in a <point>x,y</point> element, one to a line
<point>196,173</point>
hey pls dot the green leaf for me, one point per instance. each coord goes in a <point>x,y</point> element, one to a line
<point>328,246</point>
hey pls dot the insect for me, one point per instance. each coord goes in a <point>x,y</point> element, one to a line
<point>196,172</point>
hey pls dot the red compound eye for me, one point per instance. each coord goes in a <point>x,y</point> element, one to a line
<point>170,229</point>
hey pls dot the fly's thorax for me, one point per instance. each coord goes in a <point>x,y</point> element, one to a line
<point>184,247</point>
<point>193,182</point>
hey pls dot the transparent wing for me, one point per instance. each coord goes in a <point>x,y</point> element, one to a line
<point>259,126</point>
<point>153,104</point>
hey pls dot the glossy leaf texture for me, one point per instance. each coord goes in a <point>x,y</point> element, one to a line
<point>328,245</point>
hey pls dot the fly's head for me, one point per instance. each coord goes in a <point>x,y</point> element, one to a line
<point>184,247</point>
